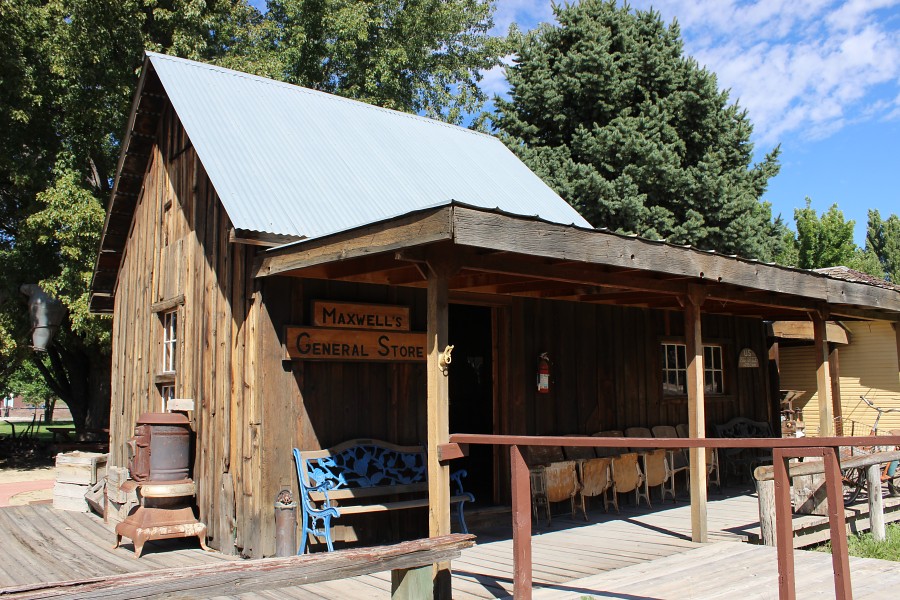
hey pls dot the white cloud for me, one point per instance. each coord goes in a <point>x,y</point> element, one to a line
<point>800,67</point>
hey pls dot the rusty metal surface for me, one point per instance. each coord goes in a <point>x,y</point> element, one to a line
<point>146,524</point>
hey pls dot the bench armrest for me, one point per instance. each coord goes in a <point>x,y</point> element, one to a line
<point>456,478</point>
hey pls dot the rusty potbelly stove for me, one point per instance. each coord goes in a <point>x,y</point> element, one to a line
<point>159,462</point>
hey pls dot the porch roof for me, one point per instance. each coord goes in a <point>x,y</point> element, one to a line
<point>500,254</point>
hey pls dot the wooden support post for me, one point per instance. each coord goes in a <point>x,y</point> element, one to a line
<point>784,528</point>
<point>834,371</point>
<point>696,411</point>
<point>765,492</point>
<point>840,554</point>
<point>876,503</point>
<point>521,512</point>
<point>411,584</point>
<point>438,413</point>
<point>823,374</point>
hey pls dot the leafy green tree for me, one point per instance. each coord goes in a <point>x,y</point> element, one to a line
<point>827,241</point>
<point>607,109</point>
<point>26,381</point>
<point>68,69</point>
<point>422,56</point>
<point>883,239</point>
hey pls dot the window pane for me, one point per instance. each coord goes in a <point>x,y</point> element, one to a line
<point>682,363</point>
<point>720,385</point>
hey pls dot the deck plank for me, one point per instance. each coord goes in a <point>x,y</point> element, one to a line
<point>646,552</point>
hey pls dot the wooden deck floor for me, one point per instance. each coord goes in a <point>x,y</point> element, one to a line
<point>570,556</point>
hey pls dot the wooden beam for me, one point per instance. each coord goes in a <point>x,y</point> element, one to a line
<point>803,330</point>
<point>696,411</point>
<point>526,236</point>
<point>169,304</point>
<point>823,374</point>
<point>579,274</point>
<point>834,368</point>
<point>411,230</point>
<point>260,238</point>
<point>438,417</point>
<point>223,578</point>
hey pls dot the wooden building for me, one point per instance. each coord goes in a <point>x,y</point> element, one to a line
<point>864,357</point>
<point>248,265</point>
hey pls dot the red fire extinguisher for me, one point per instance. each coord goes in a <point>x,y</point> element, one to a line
<point>543,374</point>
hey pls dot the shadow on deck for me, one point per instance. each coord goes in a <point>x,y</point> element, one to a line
<point>611,553</point>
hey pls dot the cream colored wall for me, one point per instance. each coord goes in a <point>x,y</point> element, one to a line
<point>868,366</point>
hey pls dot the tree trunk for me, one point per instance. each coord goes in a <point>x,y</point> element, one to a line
<point>79,376</point>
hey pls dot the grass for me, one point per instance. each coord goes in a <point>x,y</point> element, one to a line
<point>864,546</point>
<point>42,434</point>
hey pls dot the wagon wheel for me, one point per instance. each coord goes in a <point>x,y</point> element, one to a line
<point>894,484</point>
<point>854,481</point>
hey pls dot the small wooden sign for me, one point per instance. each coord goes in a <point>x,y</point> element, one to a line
<point>360,316</point>
<point>747,359</point>
<point>326,343</point>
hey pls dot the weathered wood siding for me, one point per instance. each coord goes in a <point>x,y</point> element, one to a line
<point>179,246</point>
<point>606,371</point>
<point>868,366</point>
<point>252,406</point>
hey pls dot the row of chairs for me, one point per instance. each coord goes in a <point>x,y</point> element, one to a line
<point>569,473</point>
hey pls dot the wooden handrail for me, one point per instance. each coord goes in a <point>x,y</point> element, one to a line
<point>221,578</point>
<point>826,447</point>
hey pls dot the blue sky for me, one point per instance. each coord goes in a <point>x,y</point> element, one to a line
<point>820,77</point>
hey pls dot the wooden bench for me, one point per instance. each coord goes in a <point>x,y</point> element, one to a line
<point>744,460</point>
<point>355,476</point>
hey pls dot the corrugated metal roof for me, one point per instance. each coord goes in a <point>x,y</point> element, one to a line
<point>289,160</point>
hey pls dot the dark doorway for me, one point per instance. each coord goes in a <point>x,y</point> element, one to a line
<point>472,393</point>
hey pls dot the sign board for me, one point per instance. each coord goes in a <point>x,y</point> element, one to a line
<point>183,404</point>
<point>360,316</point>
<point>332,343</point>
<point>747,359</point>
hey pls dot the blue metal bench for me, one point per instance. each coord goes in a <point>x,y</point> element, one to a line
<point>349,478</point>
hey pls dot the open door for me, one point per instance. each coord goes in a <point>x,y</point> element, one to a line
<point>472,393</point>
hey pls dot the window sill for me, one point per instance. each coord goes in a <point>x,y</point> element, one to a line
<point>164,378</point>
<point>682,399</point>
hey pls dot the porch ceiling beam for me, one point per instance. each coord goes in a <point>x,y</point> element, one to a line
<point>569,273</point>
<point>415,229</point>
<point>526,236</point>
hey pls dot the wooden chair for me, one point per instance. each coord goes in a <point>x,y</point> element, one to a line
<point>678,458</point>
<point>594,475</point>
<point>656,468</point>
<point>551,483</point>
<point>552,478</point>
<point>626,476</point>
<point>712,461</point>
<point>608,452</point>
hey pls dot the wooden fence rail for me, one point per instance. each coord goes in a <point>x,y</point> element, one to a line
<point>409,562</point>
<point>783,449</point>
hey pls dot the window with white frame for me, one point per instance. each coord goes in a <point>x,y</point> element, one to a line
<point>674,369</point>
<point>170,341</point>
<point>168,393</point>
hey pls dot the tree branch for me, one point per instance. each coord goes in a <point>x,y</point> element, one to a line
<point>48,377</point>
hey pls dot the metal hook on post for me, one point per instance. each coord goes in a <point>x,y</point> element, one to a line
<point>444,359</point>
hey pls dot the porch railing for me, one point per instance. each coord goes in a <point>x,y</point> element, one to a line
<point>782,448</point>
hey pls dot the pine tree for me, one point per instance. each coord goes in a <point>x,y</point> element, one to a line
<point>607,109</point>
